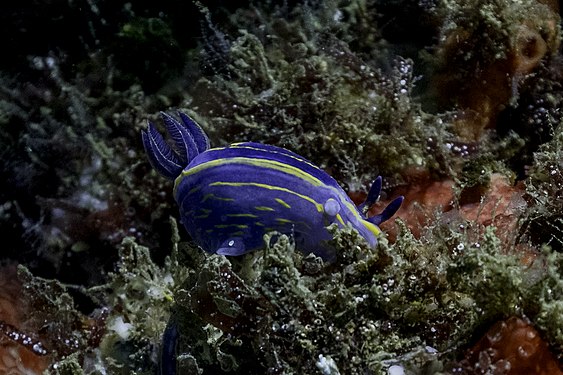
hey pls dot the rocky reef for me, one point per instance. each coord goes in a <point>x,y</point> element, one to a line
<point>458,108</point>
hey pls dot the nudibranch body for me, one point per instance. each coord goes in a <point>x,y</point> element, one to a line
<point>229,197</point>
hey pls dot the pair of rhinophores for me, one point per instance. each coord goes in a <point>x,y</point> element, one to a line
<point>229,197</point>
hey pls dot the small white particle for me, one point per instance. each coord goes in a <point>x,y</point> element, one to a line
<point>396,370</point>
<point>327,366</point>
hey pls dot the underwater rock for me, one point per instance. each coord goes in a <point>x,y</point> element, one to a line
<point>499,203</point>
<point>512,347</point>
<point>40,328</point>
<point>421,200</point>
<point>486,52</point>
<point>15,358</point>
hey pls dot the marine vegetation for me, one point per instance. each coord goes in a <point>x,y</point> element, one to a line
<point>455,104</point>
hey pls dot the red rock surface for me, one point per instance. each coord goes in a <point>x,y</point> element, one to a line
<point>511,347</point>
<point>16,359</point>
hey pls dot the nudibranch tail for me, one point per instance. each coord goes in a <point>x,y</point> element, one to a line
<point>190,140</point>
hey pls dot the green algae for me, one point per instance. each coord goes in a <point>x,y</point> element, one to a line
<point>305,81</point>
<point>418,302</point>
<point>545,188</point>
<point>295,85</point>
<point>549,293</point>
<point>544,225</point>
<point>70,365</point>
<point>414,303</point>
<point>142,296</point>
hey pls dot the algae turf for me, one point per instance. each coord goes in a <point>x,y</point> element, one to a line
<point>141,294</point>
<point>304,80</point>
<point>545,191</point>
<point>323,81</point>
<point>416,303</point>
<point>291,82</point>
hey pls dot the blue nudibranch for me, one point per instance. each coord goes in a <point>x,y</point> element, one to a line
<point>229,197</point>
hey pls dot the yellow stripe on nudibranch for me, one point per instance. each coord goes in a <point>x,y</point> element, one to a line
<point>374,229</point>
<point>193,190</point>
<point>282,202</point>
<point>242,215</point>
<point>204,213</point>
<point>213,196</point>
<point>263,208</point>
<point>239,226</point>
<point>318,206</point>
<point>284,221</point>
<point>304,161</point>
<point>255,162</point>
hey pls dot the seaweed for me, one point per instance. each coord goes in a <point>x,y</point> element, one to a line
<point>104,268</point>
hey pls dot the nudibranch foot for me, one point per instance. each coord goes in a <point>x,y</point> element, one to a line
<point>168,350</point>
